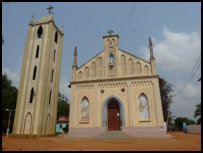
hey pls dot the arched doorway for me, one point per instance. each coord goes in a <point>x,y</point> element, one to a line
<point>121,111</point>
<point>113,116</point>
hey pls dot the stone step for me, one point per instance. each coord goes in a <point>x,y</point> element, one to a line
<point>112,135</point>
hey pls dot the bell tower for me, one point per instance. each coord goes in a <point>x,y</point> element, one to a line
<point>37,102</point>
<point>110,51</point>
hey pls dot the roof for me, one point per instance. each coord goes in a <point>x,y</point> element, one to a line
<point>45,19</point>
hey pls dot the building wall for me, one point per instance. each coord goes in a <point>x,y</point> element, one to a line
<point>133,89</point>
<point>39,117</point>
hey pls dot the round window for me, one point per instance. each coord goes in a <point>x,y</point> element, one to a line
<point>101,91</point>
<point>122,90</point>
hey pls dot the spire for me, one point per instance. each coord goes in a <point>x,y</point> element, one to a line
<point>75,57</point>
<point>31,21</point>
<point>151,49</point>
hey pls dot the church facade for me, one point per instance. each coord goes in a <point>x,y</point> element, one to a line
<point>115,90</point>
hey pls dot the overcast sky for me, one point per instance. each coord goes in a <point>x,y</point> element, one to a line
<point>175,29</point>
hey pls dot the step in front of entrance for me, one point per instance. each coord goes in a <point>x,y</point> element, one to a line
<point>112,135</point>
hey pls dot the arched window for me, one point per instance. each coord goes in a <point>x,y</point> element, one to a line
<point>31,95</point>
<point>130,66</point>
<point>37,52</point>
<point>54,55</point>
<point>123,64</point>
<point>56,37</point>
<point>93,69</point>
<point>50,97</point>
<point>143,107</point>
<point>34,73</point>
<point>100,67</point>
<point>39,32</point>
<point>86,72</point>
<point>84,110</point>
<point>52,74</point>
<point>146,69</point>
<point>111,60</point>
<point>138,68</point>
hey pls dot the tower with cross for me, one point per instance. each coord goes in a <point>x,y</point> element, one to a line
<point>37,101</point>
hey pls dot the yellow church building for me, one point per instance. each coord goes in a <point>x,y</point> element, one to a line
<point>115,90</point>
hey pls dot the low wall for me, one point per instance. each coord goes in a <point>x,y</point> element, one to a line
<point>194,129</point>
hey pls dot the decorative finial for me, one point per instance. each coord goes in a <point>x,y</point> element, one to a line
<point>150,42</point>
<point>49,8</point>
<point>62,27</point>
<point>110,32</point>
<point>151,49</point>
<point>32,17</point>
<point>75,52</point>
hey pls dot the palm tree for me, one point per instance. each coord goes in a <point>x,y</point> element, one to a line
<point>198,113</point>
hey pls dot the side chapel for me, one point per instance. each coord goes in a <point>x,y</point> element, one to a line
<point>115,90</point>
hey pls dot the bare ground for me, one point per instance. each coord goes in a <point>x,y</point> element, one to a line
<point>179,142</point>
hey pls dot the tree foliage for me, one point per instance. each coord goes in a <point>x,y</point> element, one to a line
<point>63,106</point>
<point>179,122</point>
<point>9,99</point>
<point>166,98</point>
<point>198,113</point>
<point>9,94</point>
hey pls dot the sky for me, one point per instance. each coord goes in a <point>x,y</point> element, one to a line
<point>175,29</point>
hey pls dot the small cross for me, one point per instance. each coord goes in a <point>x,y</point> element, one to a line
<point>110,32</point>
<point>49,8</point>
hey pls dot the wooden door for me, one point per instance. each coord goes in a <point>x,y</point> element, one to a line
<point>113,116</point>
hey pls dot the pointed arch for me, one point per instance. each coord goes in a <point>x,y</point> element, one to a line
<point>27,124</point>
<point>146,69</point>
<point>143,104</point>
<point>56,37</point>
<point>111,60</point>
<point>123,65</point>
<point>48,124</point>
<point>93,69</point>
<point>131,66</point>
<point>84,114</point>
<point>39,32</point>
<point>86,72</point>
<point>105,107</point>
<point>80,75</point>
<point>138,67</point>
<point>100,67</point>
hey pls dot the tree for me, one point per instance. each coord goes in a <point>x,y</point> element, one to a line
<point>179,122</point>
<point>9,94</point>
<point>9,99</point>
<point>198,113</point>
<point>166,99</point>
<point>63,106</point>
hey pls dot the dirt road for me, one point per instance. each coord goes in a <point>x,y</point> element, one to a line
<point>179,141</point>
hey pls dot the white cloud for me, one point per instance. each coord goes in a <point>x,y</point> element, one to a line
<point>175,55</point>
<point>176,52</point>
<point>64,89</point>
<point>13,76</point>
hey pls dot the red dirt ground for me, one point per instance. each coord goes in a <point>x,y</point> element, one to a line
<point>179,142</point>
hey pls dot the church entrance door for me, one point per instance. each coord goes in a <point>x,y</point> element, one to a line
<point>113,116</point>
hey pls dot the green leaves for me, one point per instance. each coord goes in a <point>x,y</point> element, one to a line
<point>198,113</point>
<point>63,106</point>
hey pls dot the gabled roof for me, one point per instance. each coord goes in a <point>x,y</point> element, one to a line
<point>118,49</point>
<point>90,59</point>
<point>44,19</point>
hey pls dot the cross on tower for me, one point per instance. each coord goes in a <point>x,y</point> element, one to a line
<point>110,32</point>
<point>49,8</point>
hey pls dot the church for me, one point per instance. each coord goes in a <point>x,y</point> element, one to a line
<point>115,90</point>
